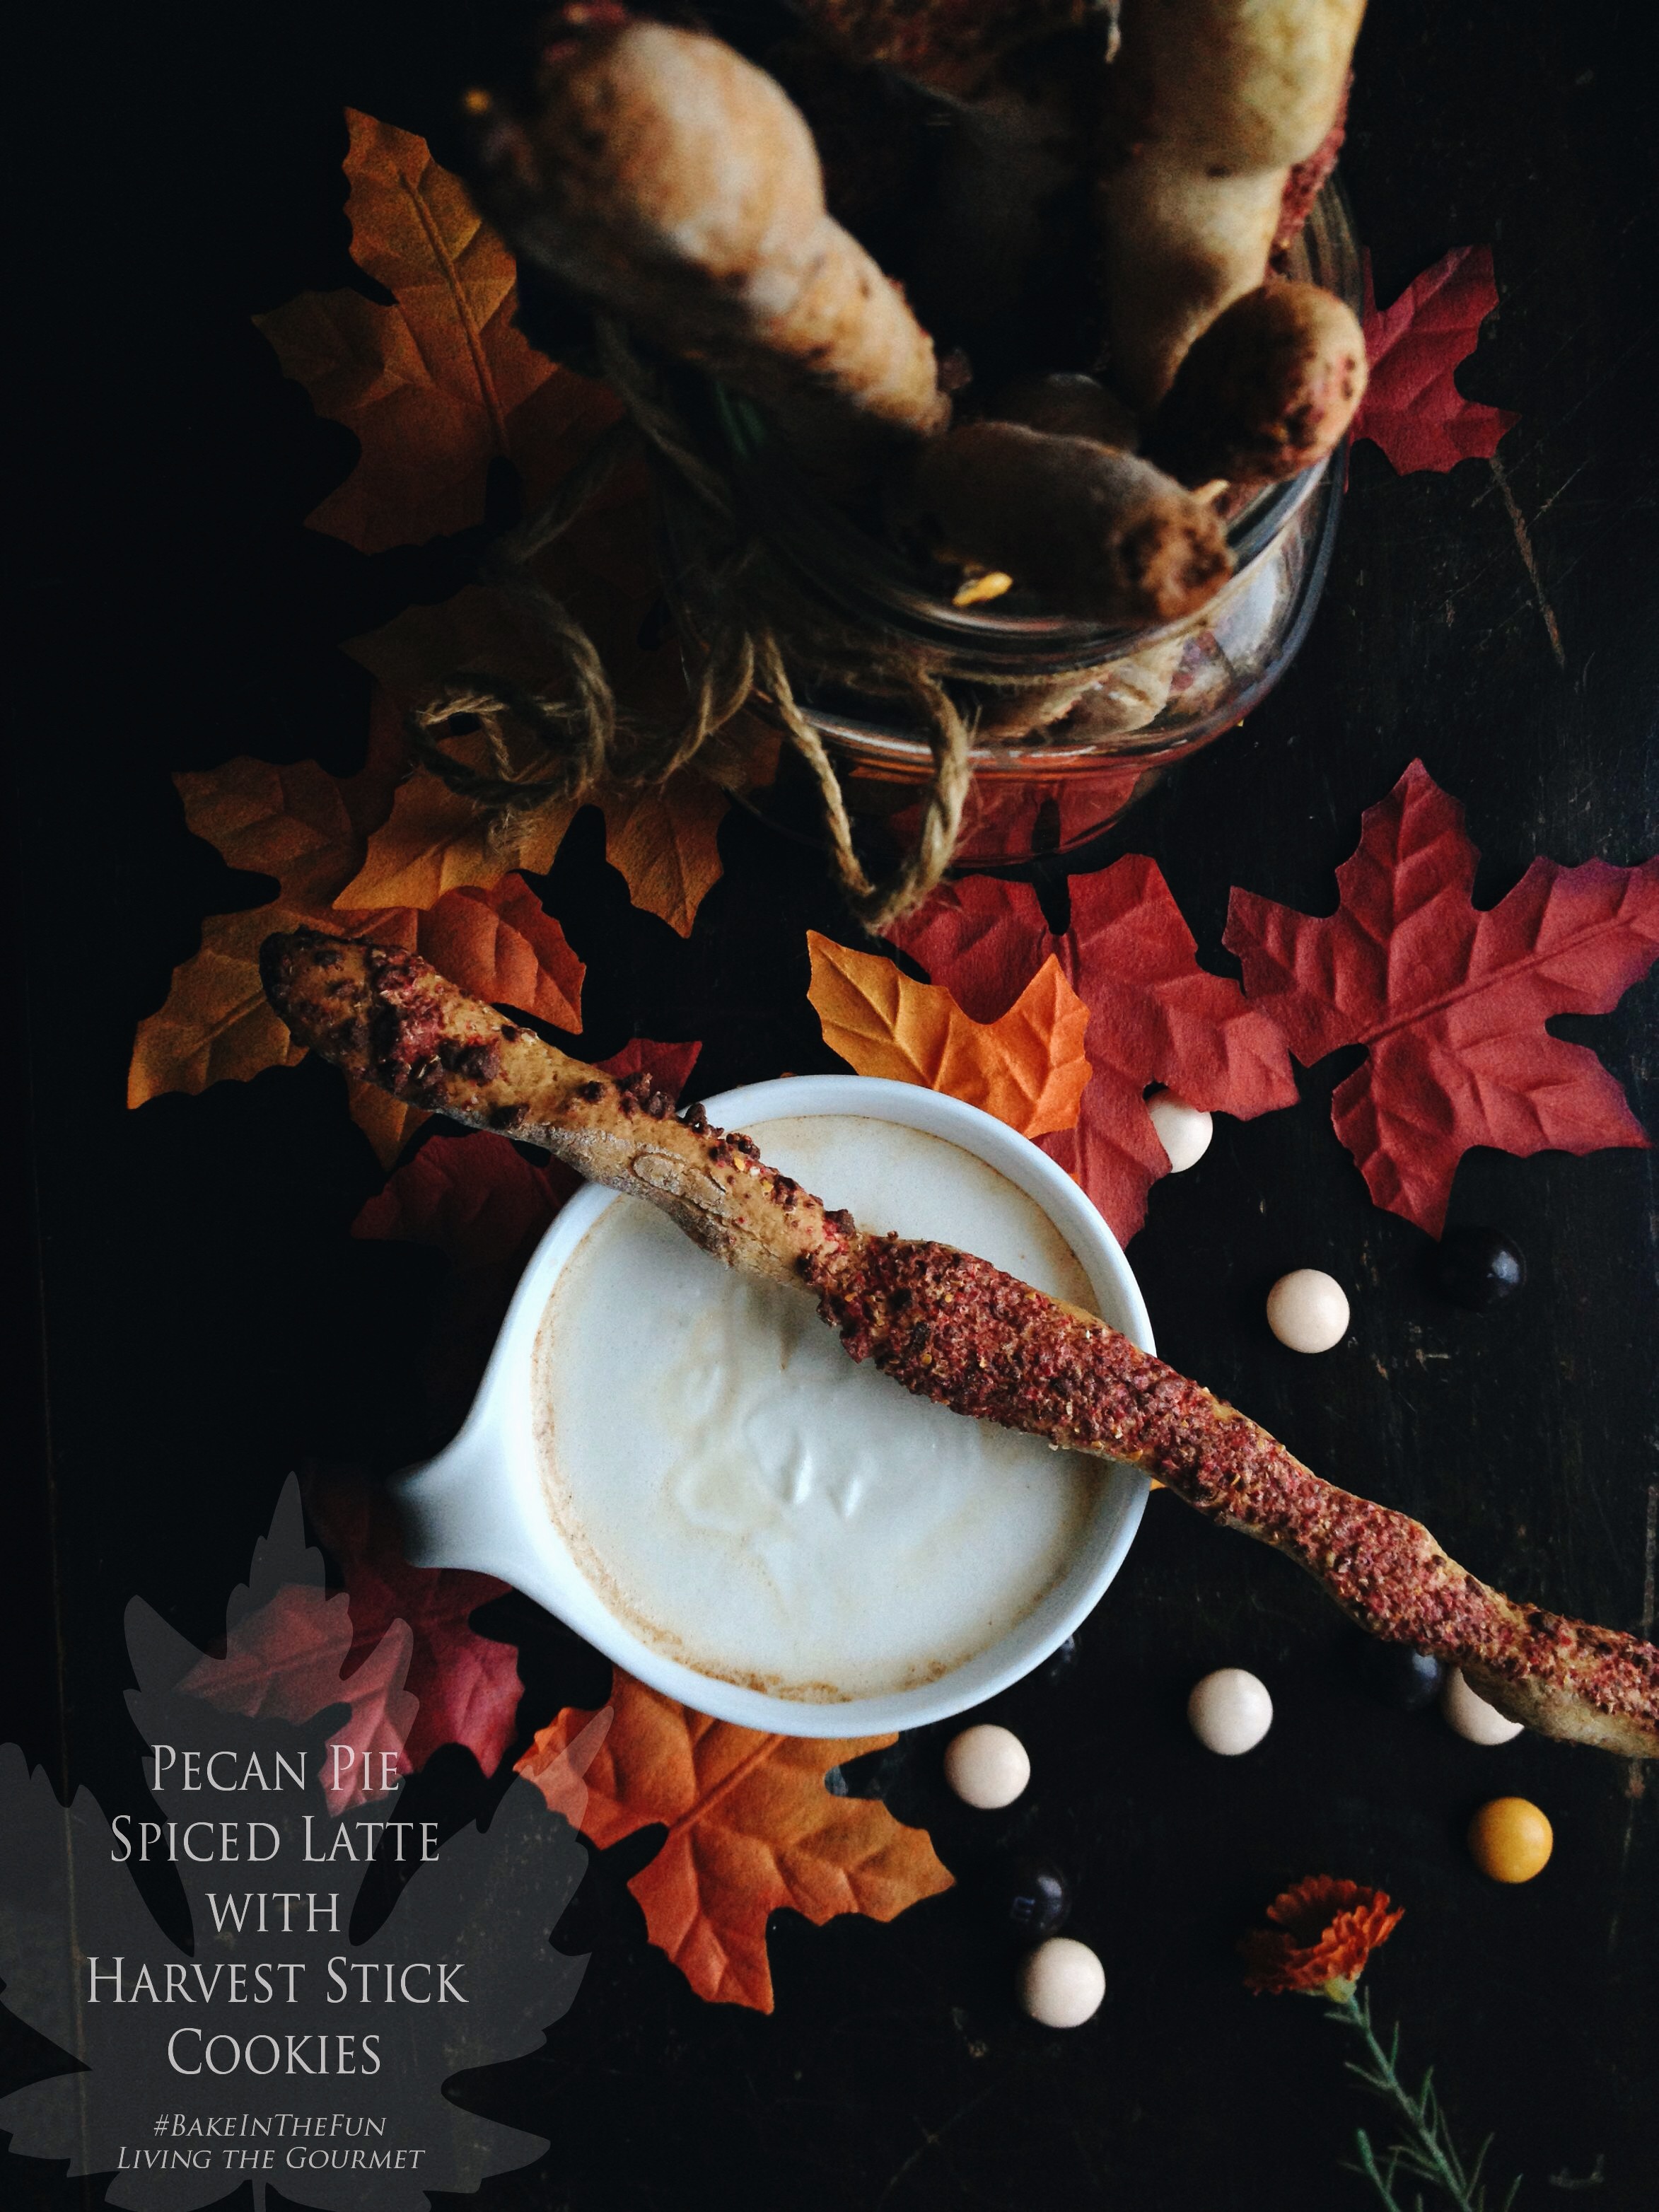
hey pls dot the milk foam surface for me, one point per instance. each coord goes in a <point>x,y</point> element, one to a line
<point>750,1502</point>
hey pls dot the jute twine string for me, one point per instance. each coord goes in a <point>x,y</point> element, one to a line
<point>545,749</point>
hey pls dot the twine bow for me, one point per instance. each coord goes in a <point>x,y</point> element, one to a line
<point>546,746</point>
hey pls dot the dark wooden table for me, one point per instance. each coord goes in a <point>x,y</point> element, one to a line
<point>193,1257</point>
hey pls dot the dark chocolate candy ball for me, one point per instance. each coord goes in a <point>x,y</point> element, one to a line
<point>1032,1898</point>
<point>1399,1676</point>
<point>1478,1267</point>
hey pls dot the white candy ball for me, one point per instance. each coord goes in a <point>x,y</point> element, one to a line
<point>1061,1983</point>
<point>986,1767</point>
<point>1230,1711</point>
<point>1307,1310</point>
<point>1467,1712</point>
<point>1184,1131</point>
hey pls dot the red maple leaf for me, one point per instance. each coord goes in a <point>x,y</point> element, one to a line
<point>290,1659</point>
<point>1413,408</point>
<point>474,1198</point>
<point>669,1065</point>
<point>468,1684</point>
<point>1450,1003</point>
<point>1155,1016</point>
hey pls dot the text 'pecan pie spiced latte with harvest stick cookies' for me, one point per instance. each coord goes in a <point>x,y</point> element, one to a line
<point>951,1327</point>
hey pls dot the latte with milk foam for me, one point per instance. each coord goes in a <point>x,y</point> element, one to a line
<point>752,1503</point>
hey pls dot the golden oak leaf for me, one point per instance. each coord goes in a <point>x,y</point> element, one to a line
<point>1028,1067</point>
<point>478,630</point>
<point>434,843</point>
<point>750,1827</point>
<point>309,830</point>
<point>385,1121</point>
<point>440,384</point>
<point>217,1024</point>
<point>663,839</point>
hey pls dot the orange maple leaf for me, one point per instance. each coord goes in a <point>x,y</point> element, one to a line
<point>1027,1067</point>
<point>440,384</point>
<point>750,1827</point>
<point>310,831</point>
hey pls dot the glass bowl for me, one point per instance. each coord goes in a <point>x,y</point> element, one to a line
<point>1072,718</point>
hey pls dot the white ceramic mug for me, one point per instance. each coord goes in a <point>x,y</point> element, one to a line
<point>481,1504</point>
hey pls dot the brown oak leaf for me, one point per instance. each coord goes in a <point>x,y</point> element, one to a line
<point>1027,1067</point>
<point>438,384</point>
<point>750,1827</point>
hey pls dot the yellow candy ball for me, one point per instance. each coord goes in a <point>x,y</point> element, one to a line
<point>1510,1840</point>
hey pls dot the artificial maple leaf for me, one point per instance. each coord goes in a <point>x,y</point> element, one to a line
<point>310,831</point>
<point>1413,408</point>
<point>434,842</point>
<point>287,1646</point>
<point>1155,1016</point>
<point>1448,1002</point>
<point>669,1065</point>
<point>387,1122</point>
<point>289,1660</point>
<point>475,1199</point>
<point>467,1685</point>
<point>438,384</point>
<point>1027,1066</point>
<point>662,840</point>
<point>472,1196</point>
<point>750,1827</point>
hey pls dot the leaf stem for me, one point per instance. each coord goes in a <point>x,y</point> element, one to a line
<point>1427,2153</point>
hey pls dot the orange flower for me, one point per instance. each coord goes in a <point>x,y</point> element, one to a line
<point>1324,1932</point>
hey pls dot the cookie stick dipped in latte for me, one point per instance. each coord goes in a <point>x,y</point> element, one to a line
<point>954,1328</point>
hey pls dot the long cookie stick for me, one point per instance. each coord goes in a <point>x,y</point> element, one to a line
<point>1217,101</point>
<point>954,1328</point>
<point>659,174</point>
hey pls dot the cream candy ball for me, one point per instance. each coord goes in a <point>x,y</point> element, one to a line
<point>1307,1310</point>
<point>1230,1711</point>
<point>1467,1712</point>
<point>1184,1131</point>
<point>986,1767</point>
<point>1061,1983</point>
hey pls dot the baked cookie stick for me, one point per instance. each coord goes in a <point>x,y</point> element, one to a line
<point>1268,390</point>
<point>1216,100</point>
<point>669,182</point>
<point>1096,532</point>
<point>954,1328</point>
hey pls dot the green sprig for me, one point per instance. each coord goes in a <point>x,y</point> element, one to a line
<point>1427,2153</point>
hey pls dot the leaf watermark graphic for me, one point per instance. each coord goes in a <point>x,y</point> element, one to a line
<point>277,2046</point>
